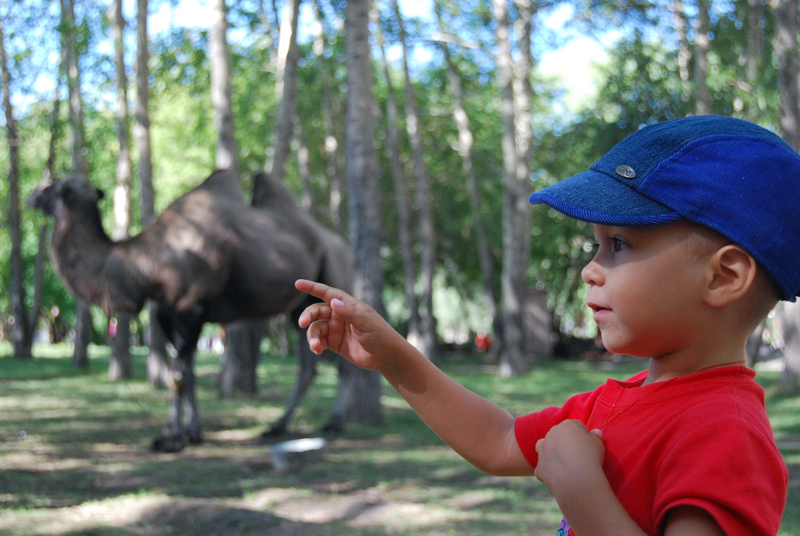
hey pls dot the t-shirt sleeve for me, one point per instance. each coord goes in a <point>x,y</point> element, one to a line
<point>729,469</point>
<point>530,428</point>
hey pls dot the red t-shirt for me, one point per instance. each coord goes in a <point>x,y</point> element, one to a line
<point>702,440</point>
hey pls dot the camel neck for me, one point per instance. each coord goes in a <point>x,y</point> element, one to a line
<point>89,262</point>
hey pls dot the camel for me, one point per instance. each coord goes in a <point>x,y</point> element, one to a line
<point>209,257</point>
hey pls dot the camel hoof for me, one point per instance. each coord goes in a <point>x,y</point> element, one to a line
<point>195,439</point>
<point>271,435</point>
<point>168,444</point>
<point>333,428</point>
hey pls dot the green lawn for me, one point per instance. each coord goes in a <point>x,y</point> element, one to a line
<point>75,459</point>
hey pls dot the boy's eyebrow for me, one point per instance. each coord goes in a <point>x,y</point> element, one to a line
<point>601,227</point>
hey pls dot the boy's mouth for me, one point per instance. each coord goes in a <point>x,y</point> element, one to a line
<point>599,310</point>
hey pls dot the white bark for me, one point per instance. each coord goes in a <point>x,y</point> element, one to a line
<point>363,388</point>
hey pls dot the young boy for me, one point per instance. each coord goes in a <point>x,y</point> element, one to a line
<point>698,237</point>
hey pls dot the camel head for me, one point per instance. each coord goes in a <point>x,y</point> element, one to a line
<point>80,248</point>
<point>73,195</point>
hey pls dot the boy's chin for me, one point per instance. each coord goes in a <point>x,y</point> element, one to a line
<point>625,350</point>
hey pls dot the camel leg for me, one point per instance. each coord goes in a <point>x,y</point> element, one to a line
<point>307,370</point>
<point>170,433</point>
<point>183,330</point>
<point>336,422</point>
<point>194,426</point>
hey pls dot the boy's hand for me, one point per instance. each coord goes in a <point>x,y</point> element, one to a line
<point>570,457</point>
<point>345,325</point>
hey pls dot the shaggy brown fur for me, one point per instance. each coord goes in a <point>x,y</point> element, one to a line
<point>209,257</point>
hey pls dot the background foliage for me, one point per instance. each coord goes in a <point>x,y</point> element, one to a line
<point>637,84</point>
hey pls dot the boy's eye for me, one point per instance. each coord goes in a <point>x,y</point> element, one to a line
<point>615,244</point>
<point>618,244</point>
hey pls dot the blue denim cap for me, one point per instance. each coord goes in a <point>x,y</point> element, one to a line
<point>727,174</point>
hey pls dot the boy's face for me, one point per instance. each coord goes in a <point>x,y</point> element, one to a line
<point>646,288</point>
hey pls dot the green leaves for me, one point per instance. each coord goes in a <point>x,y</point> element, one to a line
<point>640,85</point>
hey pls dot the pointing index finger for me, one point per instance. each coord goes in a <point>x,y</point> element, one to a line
<point>319,290</point>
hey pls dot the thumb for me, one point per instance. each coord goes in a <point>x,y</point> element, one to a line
<point>598,432</point>
<point>362,322</point>
<point>349,310</point>
<point>341,308</point>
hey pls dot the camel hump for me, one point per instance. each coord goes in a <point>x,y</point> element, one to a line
<point>223,182</point>
<point>269,192</point>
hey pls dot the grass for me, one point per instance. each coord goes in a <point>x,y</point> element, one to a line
<point>74,457</point>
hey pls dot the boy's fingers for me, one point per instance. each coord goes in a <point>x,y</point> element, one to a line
<point>345,309</point>
<point>319,290</point>
<point>318,330</point>
<point>314,312</point>
<point>338,307</point>
<point>317,337</point>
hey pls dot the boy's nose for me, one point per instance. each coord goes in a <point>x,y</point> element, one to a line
<point>592,274</point>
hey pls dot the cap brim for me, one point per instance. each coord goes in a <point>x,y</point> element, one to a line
<point>594,197</point>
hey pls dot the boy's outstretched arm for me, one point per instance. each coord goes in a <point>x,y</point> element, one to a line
<point>570,457</point>
<point>478,430</point>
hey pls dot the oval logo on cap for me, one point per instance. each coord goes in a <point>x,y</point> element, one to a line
<point>626,172</point>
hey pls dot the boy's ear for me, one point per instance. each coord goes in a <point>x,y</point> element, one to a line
<point>732,273</point>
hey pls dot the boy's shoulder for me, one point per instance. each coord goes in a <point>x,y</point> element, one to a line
<point>728,397</point>
<point>722,406</point>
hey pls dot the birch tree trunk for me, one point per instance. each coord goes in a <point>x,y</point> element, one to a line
<point>787,321</point>
<point>121,364</point>
<point>22,332</point>
<point>332,145</point>
<point>49,167</point>
<point>701,46</point>
<point>428,343</point>
<point>77,134</point>
<point>362,387</point>
<point>242,339</point>
<point>401,202</point>
<point>47,178</point>
<point>786,55</point>
<point>512,354</point>
<point>684,51</point>
<point>83,323</point>
<point>220,59</point>
<point>157,357</point>
<point>753,52</point>
<point>38,279</point>
<point>301,150</point>
<point>285,90</point>
<point>523,94</point>
<point>465,139</point>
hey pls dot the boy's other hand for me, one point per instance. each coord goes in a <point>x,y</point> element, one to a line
<point>345,325</point>
<point>570,456</point>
